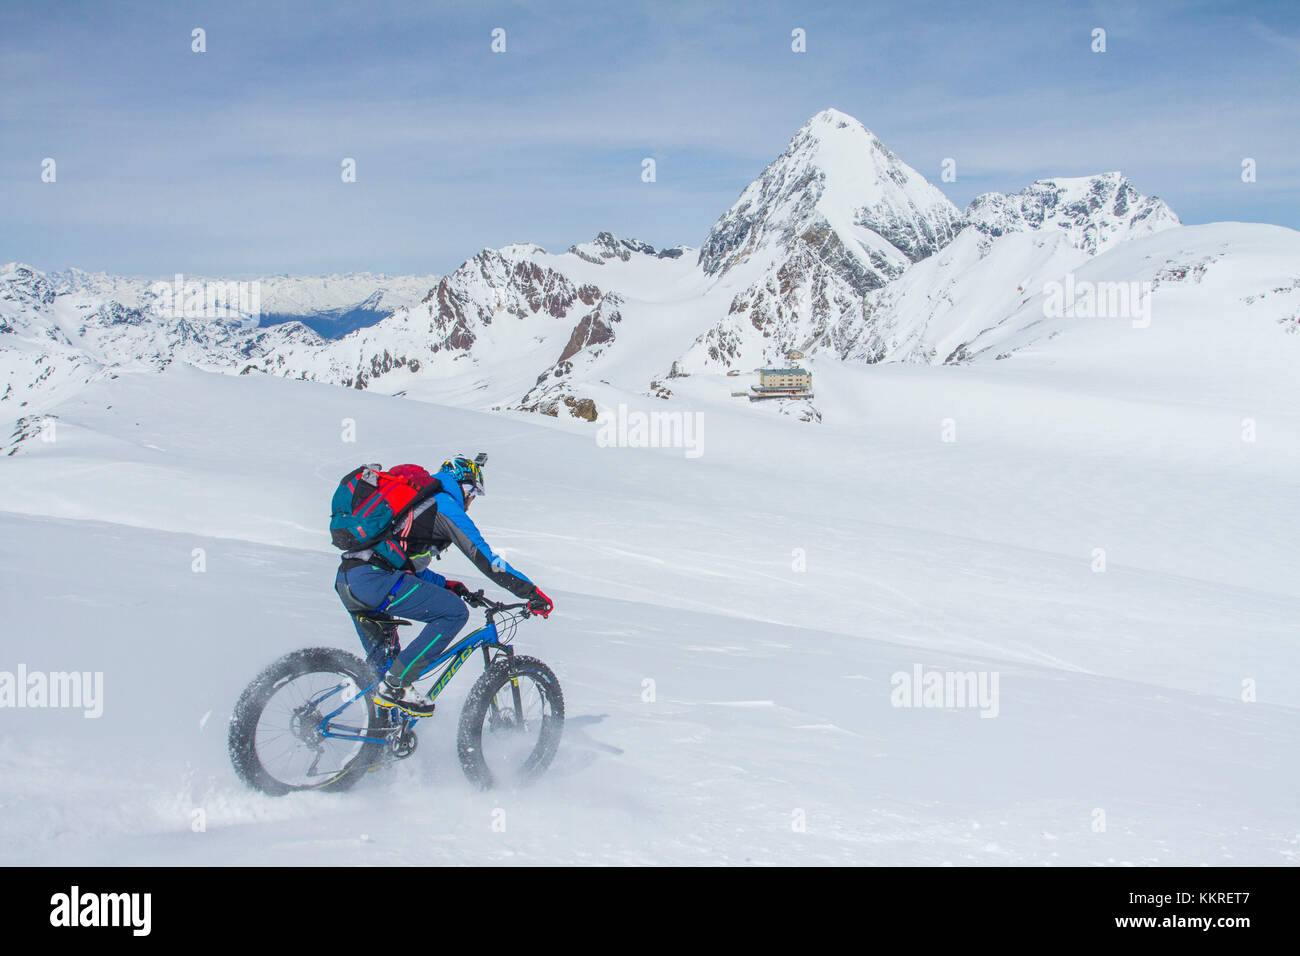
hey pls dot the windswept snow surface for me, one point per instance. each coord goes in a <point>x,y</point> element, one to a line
<point>767,591</point>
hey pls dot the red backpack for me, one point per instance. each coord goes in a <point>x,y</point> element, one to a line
<point>372,507</point>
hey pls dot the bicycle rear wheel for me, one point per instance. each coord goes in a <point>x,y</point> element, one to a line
<point>275,741</point>
<point>506,738</point>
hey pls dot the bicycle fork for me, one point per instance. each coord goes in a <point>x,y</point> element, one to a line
<point>517,698</point>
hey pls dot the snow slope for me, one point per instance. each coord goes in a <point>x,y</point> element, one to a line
<point>937,308</point>
<point>1220,301</point>
<point>1121,692</point>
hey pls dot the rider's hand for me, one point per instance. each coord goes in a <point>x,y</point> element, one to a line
<point>539,603</point>
<point>458,589</point>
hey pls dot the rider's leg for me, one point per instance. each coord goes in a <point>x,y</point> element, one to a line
<point>364,589</point>
<point>444,615</point>
<point>379,642</point>
<point>406,595</point>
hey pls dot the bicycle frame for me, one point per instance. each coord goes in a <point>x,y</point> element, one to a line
<point>486,637</point>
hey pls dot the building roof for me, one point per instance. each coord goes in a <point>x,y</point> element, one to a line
<point>783,371</point>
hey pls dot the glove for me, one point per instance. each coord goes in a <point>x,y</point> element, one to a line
<point>539,603</point>
<point>458,589</point>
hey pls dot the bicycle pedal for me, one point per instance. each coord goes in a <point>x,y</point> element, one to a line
<point>403,745</point>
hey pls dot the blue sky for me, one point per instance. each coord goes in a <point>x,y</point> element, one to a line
<point>228,162</point>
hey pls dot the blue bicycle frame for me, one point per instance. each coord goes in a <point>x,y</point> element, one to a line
<point>455,656</point>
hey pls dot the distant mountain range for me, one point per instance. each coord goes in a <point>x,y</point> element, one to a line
<point>331,306</point>
<point>838,249</point>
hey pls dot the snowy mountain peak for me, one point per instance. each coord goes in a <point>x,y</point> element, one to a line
<point>503,283</point>
<point>832,115</point>
<point>516,251</point>
<point>839,189</point>
<point>1096,212</point>
<point>21,285</point>
<point>834,217</point>
<point>609,246</point>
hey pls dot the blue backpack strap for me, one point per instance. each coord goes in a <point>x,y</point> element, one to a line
<point>383,605</point>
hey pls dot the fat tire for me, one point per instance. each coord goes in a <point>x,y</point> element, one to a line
<point>248,711</point>
<point>469,735</point>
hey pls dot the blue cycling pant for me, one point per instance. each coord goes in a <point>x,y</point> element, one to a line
<point>410,596</point>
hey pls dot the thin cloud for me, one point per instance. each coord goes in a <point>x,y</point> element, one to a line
<point>233,156</point>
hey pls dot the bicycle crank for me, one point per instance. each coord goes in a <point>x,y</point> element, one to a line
<point>402,741</point>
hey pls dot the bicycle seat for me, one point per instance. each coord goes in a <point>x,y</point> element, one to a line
<point>380,618</point>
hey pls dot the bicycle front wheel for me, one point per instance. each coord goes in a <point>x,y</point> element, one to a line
<point>511,724</point>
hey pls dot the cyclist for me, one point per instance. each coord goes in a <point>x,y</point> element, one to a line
<point>367,583</point>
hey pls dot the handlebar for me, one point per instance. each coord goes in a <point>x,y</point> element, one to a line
<point>477,599</point>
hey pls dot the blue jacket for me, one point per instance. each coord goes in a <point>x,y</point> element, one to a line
<point>435,531</point>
